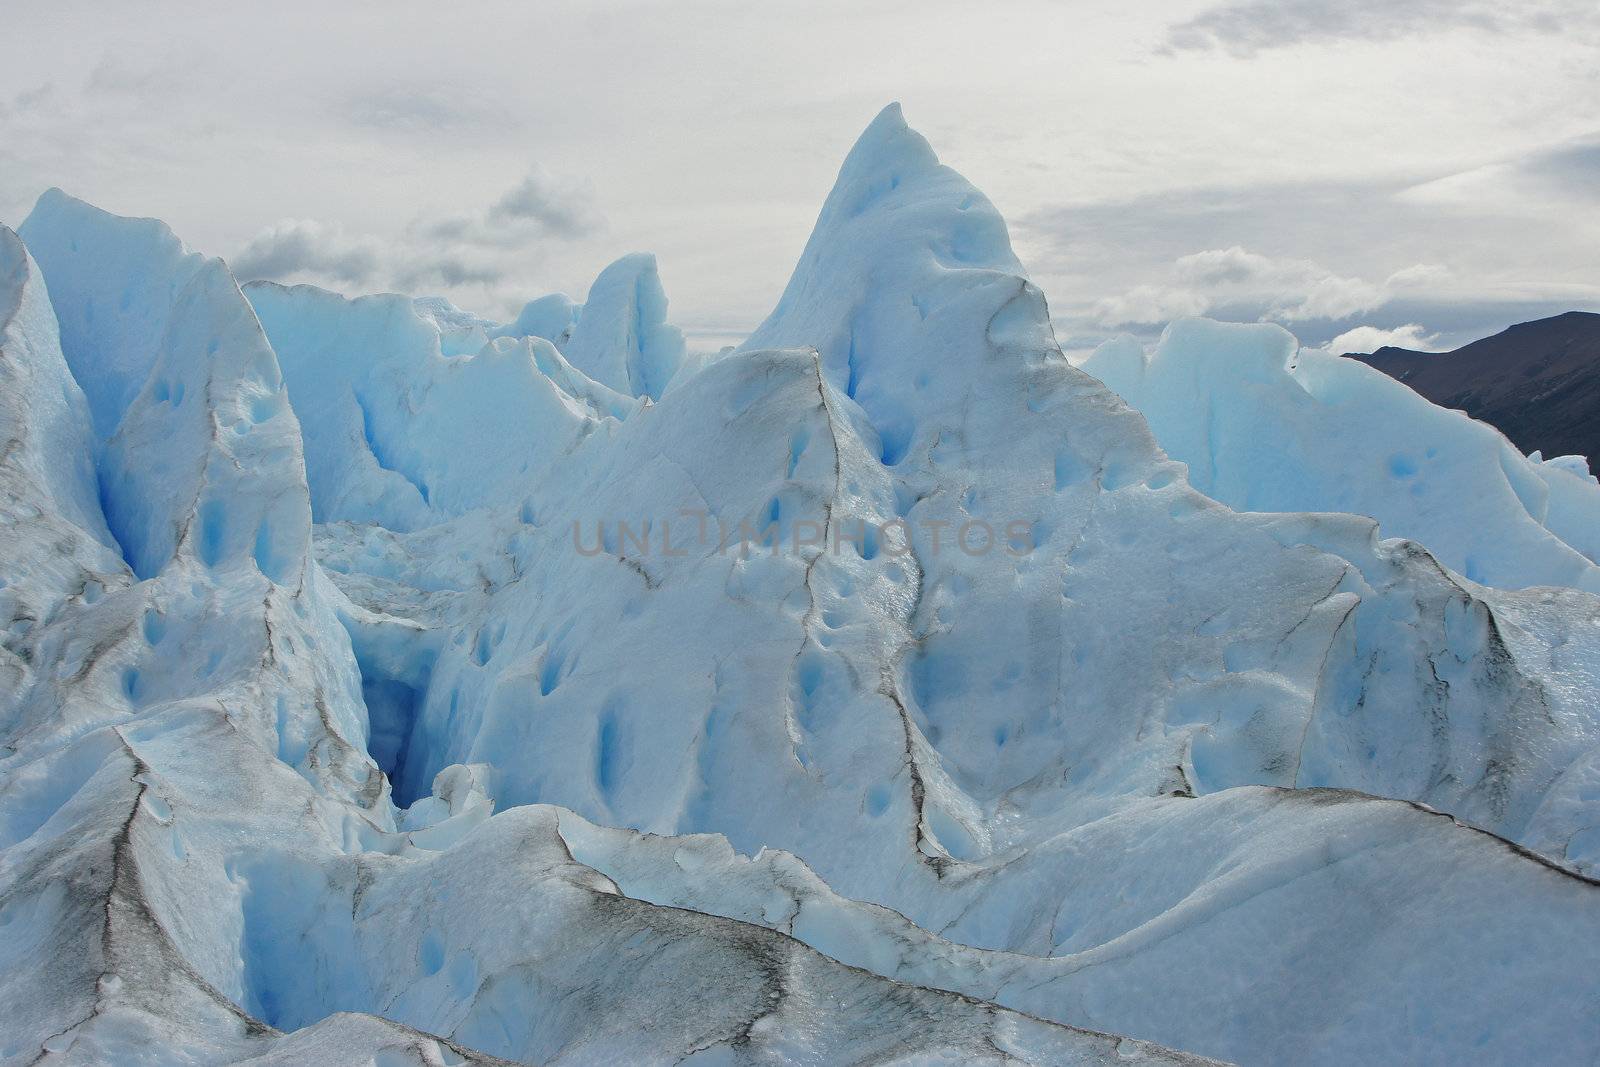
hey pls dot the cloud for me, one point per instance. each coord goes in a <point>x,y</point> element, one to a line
<point>1324,257</point>
<point>37,98</point>
<point>1568,173</point>
<point>478,250</point>
<point>538,206</point>
<point>1244,28</point>
<point>1426,306</point>
<point>447,270</point>
<point>307,247</point>
<point>1222,265</point>
<point>1244,283</point>
<point>1371,338</point>
<point>1148,304</point>
<point>559,211</point>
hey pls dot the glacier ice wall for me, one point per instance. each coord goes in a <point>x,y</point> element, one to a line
<point>1256,420</point>
<point>391,685</point>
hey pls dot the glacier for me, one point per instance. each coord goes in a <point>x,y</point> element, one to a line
<point>1252,415</point>
<point>386,684</point>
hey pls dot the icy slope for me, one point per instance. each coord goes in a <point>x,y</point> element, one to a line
<point>1307,885</point>
<point>879,692</point>
<point>1266,426</point>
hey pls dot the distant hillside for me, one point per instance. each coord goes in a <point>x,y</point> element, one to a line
<point>1537,382</point>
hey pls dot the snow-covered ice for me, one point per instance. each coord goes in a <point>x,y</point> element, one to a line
<point>387,684</point>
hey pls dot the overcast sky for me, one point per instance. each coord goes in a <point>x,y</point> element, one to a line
<point>1419,170</point>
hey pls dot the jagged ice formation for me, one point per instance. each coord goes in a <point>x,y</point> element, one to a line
<point>389,685</point>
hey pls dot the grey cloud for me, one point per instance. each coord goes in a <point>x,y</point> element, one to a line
<point>1569,172</point>
<point>1469,313</point>
<point>448,271</point>
<point>535,207</point>
<point>1223,265</point>
<point>480,250</point>
<point>39,96</point>
<point>1576,166</point>
<point>1247,27</point>
<point>307,248</point>
<point>561,212</point>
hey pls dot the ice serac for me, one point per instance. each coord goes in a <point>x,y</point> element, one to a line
<point>552,317</point>
<point>910,293</point>
<point>47,465</point>
<point>622,338</point>
<point>210,645</point>
<point>461,333</point>
<point>1267,426</point>
<point>398,433</point>
<point>57,546</point>
<point>112,309</point>
<point>206,460</point>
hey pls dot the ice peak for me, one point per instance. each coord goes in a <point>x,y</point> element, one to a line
<point>901,289</point>
<point>887,144</point>
<point>113,281</point>
<point>622,339</point>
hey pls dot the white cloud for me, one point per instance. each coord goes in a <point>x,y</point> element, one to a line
<point>1372,338</point>
<point>1253,285</point>
<point>411,109</point>
<point>1148,304</point>
<point>1420,276</point>
<point>1222,266</point>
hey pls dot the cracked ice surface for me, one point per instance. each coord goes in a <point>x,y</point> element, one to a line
<point>373,694</point>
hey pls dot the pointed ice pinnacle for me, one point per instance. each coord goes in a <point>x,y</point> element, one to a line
<point>622,338</point>
<point>207,458</point>
<point>113,305</point>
